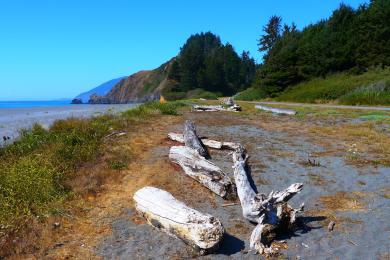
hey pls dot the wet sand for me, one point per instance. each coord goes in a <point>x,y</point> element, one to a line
<point>14,119</point>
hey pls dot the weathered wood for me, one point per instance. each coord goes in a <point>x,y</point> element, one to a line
<point>210,108</point>
<point>207,142</point>
<point>202,170</point>
<point>192,140</point>
<point>161,210</point>
<point>229,101</point>
<point>207,108</point>
<point>331,226</point>
<point>276,110</point>
<point>267,211</point>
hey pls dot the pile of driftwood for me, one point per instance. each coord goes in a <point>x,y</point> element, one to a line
<point>228,105</point>
<point>271,213</point>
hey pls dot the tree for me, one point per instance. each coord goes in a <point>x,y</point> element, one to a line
<point>272,34</point>
<point>205,63</point>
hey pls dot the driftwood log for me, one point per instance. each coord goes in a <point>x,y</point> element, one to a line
<point>209,108</point>
<point>207,142</point>
<point>192,140</point>
<point>203,171</point>
<point>276,110</point>
<point>270,212</point>
<point>163,211</point>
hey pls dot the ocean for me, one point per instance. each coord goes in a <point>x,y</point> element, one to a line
<point>27,104</point>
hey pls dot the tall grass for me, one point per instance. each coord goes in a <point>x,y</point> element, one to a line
<point>374,94</point>
<point>34,170</point>
<point>340,87</point>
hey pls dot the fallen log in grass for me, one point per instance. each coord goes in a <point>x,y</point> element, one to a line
<point>207,142</point>
<point>163,211</point>
<point>276,110</point>
<point>204,171</point>
<point>271,213</point>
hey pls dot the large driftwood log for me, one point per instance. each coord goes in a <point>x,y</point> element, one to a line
<point>202,170</point>
<point>276,110</point>
<point>269,212</point>
<point>192,140</point>
<point>207,142</point>
<point>210,108</point>
<point>163,211</point>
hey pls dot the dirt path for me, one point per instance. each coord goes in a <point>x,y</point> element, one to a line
<point>377,108</point>
<point>341,188</point>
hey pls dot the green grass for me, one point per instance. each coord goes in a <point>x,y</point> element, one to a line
<point>192,94</point>
<point>250,94</point>
<point>344,88</point>
<point>34,170</point>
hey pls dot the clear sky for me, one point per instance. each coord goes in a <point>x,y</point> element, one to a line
<point>53,49</point>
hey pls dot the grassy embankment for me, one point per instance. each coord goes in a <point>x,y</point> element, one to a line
<point>370,88</point>
<point>37,171</point>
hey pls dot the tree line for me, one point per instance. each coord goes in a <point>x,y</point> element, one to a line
<point>350,40</point>
<point>205,63</point>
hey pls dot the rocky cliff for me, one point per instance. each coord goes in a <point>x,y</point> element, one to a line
<point>140,87</point>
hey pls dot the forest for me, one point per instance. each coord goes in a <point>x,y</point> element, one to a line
<point>351,41</point>
<point>205,63</point>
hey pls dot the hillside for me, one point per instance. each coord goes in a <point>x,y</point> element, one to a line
<point>100,90</point>
<point>369,88</point>
<point>141,86</point>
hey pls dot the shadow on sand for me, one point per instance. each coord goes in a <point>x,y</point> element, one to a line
<point>302,227</point>
<point>230,245</point>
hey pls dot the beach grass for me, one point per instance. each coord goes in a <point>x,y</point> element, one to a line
<point>36,169</point>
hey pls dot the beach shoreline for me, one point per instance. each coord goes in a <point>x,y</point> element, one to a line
<point>12,120</point>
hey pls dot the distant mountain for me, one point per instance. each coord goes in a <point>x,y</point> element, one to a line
<point>100,90</point>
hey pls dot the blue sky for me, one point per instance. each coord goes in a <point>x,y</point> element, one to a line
<point>53,49</point>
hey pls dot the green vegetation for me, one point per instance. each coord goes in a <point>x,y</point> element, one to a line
<point>192,94</point>
<point>350,40</point>
<point>250,94</point>
<point>368,88</point>
<point>205,63</point>
<point>34,171</point>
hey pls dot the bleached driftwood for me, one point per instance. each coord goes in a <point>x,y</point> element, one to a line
<point>192,140</point>
<point>276,110</point>
<point>269,212</point>
<point>204,171</point>
<point>207,142</point>
<point>163,211</point>
<point>229,102</point>
<point>210,108</point>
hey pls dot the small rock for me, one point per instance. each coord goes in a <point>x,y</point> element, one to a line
<point>56,224</point>
<point>331,226</point>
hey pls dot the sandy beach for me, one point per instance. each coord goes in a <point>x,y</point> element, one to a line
<point>14,119</point>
